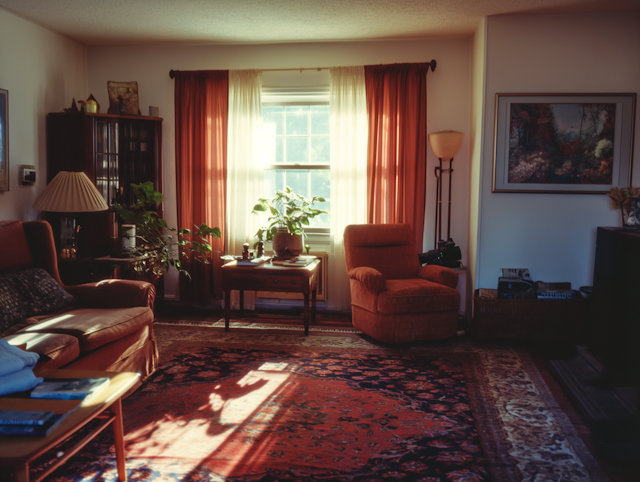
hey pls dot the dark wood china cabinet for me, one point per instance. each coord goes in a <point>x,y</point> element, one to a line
<point>114,151</point>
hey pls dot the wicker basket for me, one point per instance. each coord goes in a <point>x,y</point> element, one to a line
<point>548,321</point>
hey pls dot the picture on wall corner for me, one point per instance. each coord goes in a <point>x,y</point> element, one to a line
<point>563,143</point>
<point>4,140</point>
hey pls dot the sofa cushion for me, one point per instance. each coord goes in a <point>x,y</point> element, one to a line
<point>55,349</point>
<point>94,327</point>
<point>417,295</point>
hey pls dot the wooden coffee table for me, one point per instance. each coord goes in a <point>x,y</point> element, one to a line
<point>270,277</point>
<point>20,451</point>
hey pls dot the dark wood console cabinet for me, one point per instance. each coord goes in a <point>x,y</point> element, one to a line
<point>114,151</point>
<point>615,321</point>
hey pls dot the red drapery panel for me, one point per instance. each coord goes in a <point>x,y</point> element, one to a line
<point>397,155</point>
<point>201,110</point>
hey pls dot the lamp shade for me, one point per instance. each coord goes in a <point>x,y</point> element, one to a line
<point>445,144</point>
<point>70,192</point>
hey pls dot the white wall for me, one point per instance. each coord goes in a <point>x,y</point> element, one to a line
<point>551,234</point>
<point>42,71</point>
<point>447,98</point>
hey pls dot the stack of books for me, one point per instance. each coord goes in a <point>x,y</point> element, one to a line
<point>300,261</point>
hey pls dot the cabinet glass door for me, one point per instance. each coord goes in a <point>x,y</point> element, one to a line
<point>107,159</point>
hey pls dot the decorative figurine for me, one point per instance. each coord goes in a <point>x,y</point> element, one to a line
<point>245,251</point>
<point>260,249</point>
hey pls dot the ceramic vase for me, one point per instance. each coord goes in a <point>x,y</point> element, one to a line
<point>285,244</point>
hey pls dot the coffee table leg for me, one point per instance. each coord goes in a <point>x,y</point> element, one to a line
<point>306,314</point>
<point>227,308</point>
<point>21,473</point>
<point>118,436</point>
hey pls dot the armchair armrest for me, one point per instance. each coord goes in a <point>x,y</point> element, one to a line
<point>114,293</point>
<point>439,274</point>
<point>371,278</point>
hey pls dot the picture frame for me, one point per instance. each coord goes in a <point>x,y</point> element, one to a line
<point>4,140</point>
<point>563,143</point>
<point>123,98</point>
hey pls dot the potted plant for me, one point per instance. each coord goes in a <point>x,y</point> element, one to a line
<point>625,199</point>
<point>158,245</point>
<point>289,214</point>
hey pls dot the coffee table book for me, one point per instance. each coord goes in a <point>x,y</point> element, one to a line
<point>68,388</point>
<point>59,410</point>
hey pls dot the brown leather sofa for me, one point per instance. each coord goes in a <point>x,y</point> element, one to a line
<point>393,298</point>
<point>107,325</point>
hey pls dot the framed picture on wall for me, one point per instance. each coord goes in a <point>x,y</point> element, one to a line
<point>563,143</point>
<point>4,140</point>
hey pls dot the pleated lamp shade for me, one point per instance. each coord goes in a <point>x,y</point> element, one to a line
<point>70,192</point>
<point>445,144</point>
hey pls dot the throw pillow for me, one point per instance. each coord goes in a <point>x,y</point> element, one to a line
<point>42,293</point>
<point>13,306</point>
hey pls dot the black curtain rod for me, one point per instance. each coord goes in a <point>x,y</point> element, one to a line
<point>172,73</point>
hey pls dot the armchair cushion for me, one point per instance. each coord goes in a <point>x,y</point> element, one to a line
<point>371,278</point>
<point>417,296</point>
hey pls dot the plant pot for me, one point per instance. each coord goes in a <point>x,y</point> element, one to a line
<point>285,244</point>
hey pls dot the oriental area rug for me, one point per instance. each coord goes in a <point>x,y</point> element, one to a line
<point>261,405</point>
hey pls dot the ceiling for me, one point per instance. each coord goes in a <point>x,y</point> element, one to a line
<point>190,22</point>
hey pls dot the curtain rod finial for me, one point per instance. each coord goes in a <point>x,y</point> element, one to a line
<point>433,65</point>
<point>172,73</point>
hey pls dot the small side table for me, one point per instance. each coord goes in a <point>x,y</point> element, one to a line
<point>270,277</point>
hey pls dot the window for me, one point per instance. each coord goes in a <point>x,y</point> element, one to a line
<point>297,154</point>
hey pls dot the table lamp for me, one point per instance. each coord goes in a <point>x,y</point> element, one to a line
<point>70,193</point>
<point>445,145</point>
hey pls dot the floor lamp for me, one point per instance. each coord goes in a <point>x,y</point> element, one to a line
<point>445,145</point>
<point>70,193</point>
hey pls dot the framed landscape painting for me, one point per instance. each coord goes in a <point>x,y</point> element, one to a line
<point>4,140</point>
<point>563,143</point>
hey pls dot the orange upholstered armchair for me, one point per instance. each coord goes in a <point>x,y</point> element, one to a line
<point>393,298</point>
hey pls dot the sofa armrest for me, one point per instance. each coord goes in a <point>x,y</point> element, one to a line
<point>114,293</point>
<point>439,274</point>
<point>371,278</point>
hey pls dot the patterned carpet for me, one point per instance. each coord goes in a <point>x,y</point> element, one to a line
<point>447,411</point>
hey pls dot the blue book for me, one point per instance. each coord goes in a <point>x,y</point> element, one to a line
<point>41,430</point>
<point>68,388</point>
<point>24,417</point>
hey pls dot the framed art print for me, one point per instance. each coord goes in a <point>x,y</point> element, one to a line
<point>4,140</point>
<point>563,143</point>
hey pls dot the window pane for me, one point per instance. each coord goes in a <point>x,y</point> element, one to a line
<point>319,119</point>
<point>298,181</point>
<point>320,150</point>
<point>274,115</point>
<point>297,150</point>
<point>297,120</point>
<point>320,184</point>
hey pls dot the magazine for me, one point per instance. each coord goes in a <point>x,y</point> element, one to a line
<point>68,388</point>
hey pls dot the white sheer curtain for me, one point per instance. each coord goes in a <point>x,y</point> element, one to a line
<point>349,136</point>
<point>244,172</point>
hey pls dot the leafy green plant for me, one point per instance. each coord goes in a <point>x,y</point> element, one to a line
<point>158,245</point>
<point>287,209</point>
